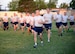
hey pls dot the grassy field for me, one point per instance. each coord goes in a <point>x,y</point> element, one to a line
<point>15,42</point>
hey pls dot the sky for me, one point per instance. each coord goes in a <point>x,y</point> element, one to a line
<point>5,3</point>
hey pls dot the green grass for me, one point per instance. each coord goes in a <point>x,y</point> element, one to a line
<point>14,42</point>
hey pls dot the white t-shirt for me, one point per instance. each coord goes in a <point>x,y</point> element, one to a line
<point>71,18</point>
<point>15,19</point>
<point>48,17</point>
<point>58,17</point>
<point>65,18</point>
<point>5,19</point>
<point>31,20</point>
<point>21,20</point>
<point>27,18</point>
<point>38,19</point>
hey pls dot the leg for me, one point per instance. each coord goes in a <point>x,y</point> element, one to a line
<point>66,28</point>
<point>29,29</point>
<point>7,26</point>
<point>4,26</point>
<point>22,27</point>
<point>48,35</point>
<point>32,31</point>
<point>60,30</point>
<point>41,38</point>
<point>14,27</point>
<point>35,39</point>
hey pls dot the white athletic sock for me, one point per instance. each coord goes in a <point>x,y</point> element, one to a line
<point>35,43</point>
<point>48,40</point>
<point>41,41</point>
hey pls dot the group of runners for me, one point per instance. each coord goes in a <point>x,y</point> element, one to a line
<point>36,23</point>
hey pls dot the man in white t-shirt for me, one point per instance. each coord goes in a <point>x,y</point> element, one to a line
<point>58,19</point>
<point>22,22</point>
<point>27,17</point>
<point>15,21</point>
<point>5,22</point>
<point>32,22</point>
<point>48,24</point>
<point>64,21</point>
<point>72,21</point>
<point>38,27</point>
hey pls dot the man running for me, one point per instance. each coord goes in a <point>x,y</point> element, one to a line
<point>72,23</point>
<point>27,17</point>
<point>38,27</point>
<point>48,25</point>
<point>5,22</point>
<point>22,22</point>
<point>15,21</point>
<point>32,22</point>
<point>58,19</point>
<point>64,21</point>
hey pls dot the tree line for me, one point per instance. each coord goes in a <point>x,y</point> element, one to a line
<point>32,5</point>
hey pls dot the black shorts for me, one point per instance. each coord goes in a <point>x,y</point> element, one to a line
<point>22,24</point>
<point>15,23</point>
<point>71,23</point>
<point>38,29</point>
<point>65,24</point>
<point>48,26</point>
<point>32,27</point>
<point>27,24</point>
<point>58,24</point>
<point>5,24</point>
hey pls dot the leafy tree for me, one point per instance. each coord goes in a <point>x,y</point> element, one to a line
<point>64,5</point>
<point>41,4</point>
<point>52,3</point>
<point>13,5</point>
<point>72,4</point>
<point>27,6</point>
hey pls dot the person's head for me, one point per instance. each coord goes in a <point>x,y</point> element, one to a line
<point>37,12</point>
<point>21,15</point>
<point>58,12</point>
<point>15,14</point>
<point>5,14</point>
<point>65,13</point>
<point>71,14</point>
<point>48,10</point>
<point>33,14</point>
<point>28,14</point>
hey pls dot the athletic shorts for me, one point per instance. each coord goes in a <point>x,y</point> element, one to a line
<point>27,24</point>
<point>22,24</point>
<point>15,23</point>
<point>58,24</point>
<point>48,26</point>
<point>5,24</point>
<point>38,29</point>
<point>65,24</point>
<point>32,28</point>
<point>71,23</point>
